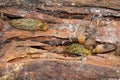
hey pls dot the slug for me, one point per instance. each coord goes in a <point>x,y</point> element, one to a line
<point>29,24</point>
<point>77,49</point>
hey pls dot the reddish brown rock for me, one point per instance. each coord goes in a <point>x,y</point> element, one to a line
<point>57,69</point>
<point>20,61</point>
<point>40,55</point>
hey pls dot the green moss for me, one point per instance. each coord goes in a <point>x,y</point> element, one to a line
<point>29,24</point>
<point>77,49</point>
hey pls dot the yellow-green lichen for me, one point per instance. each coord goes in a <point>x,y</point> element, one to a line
<point>77,49</point>
<point>29,24</point>
<point>7,77</point>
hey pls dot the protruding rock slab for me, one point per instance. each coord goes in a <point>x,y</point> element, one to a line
<point>43,69</point>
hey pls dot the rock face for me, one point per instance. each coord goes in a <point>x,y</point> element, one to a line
<point>40,55</point>
<point>22,62</point>
<point>42,69</point>
<point>68,70</point>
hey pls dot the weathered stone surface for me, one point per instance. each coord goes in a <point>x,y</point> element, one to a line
<point>39,55</point>
<point>43,69</point>
<point>19,61</point>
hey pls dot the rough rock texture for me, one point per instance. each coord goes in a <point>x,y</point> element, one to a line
<point>39,55</point>
<point>57,69</point>
<point>19,62</point>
